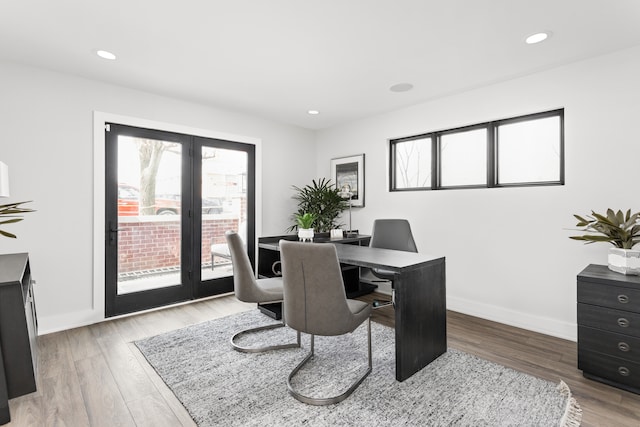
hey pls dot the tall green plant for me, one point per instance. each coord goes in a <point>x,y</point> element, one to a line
<point>322,200</point>
<point>619,229</point>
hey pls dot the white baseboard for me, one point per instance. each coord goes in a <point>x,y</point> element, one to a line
<point>543,325</point>
<point>51,324</point>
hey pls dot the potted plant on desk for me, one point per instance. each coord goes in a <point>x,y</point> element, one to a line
<point>321,199</point>
<point>619,229</point>
<point>305,226</point>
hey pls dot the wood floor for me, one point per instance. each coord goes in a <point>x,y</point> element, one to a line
<point>94,375</point>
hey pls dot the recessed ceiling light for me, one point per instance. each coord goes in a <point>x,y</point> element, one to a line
<point>105,54</point>
<point>537,37</point>
<point>401,87</point>
<point>313,112</point>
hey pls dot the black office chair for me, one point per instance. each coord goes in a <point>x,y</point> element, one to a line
<point>315,303</point>
<point>392,234</point>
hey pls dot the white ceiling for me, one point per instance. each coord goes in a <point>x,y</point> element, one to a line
<point>279,58</point>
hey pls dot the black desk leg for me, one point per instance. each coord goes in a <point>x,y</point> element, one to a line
<point>421,318</point>
<point>5,416</point>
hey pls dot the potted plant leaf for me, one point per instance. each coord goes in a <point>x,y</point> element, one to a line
<point>11,211</point>
<point>621,230</point>
<point>305,226</point>
<point>321,199</point>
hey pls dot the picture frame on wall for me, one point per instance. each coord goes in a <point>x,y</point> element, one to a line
<point>350,170</point>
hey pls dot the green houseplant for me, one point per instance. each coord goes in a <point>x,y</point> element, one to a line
<point>12,211</point>
<point>305,225</point>
<point>305,220</point>
<point>321,199</point>
<point>621,230</point>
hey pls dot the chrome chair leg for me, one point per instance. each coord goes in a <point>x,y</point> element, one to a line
<point>320,401</point>
<point>264,348</point>
<point>379,304</point>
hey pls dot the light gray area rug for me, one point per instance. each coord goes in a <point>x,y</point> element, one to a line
<point>222,387</point>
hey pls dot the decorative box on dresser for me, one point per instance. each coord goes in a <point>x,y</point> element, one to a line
<point>609,327</point>
<point>18,330</point>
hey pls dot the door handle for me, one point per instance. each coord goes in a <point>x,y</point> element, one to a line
<point>112,233</point>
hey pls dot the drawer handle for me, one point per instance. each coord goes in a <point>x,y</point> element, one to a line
<point>623,346</point>
<point>623,299</point>
<point>276,269</point>
<point>624,371</point>
<point>623,322</point>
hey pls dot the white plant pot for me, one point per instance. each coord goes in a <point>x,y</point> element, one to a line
<point>305,234</point>
<point>625,261</point>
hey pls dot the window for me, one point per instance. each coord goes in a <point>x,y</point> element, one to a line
<point>526,150</point>
<point>463,158</point>
<point>412,166</point>
<point>529,151</point>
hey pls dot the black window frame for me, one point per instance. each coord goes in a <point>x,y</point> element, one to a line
<point>492,154</point>
<point>392,172</point>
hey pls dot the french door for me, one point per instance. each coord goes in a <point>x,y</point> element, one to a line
<point>170,198</point>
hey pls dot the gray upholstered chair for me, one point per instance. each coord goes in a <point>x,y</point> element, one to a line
<point>221,250</point>
<point>315,303</point>
<point>249,289</point>
<point>392,234</point>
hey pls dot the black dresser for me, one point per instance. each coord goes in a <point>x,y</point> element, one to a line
<point>609,327</point>
<point>18,330</point>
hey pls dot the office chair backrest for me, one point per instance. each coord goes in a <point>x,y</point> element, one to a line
<point>244,280</point>
<point>392,234</point>
<point>314,297</point>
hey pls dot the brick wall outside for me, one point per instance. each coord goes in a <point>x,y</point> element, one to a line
<point>146,243</point>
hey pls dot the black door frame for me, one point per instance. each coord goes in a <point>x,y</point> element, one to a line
<point>225,284</point>
<point>191,285</point>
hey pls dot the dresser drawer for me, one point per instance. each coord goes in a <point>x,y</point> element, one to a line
<point>611,368</point>
<point>622,322</point>
<point>611,343</point>
<point>617,297</point>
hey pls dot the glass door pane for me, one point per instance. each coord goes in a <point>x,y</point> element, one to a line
<point>224,207</point>
<point>149,174</point>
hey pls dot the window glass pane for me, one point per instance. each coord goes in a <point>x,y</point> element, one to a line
<point>529,151</point>
<point>412,164</point>
<point>149,204</point>
<point>463,158</point>
<point>224,207</point>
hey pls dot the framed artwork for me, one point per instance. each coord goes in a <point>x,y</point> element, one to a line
<point>350,170</point>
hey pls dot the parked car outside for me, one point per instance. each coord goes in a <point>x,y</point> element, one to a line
<point>165,204</point>
<point>129,202</point>
<point>212,205</point>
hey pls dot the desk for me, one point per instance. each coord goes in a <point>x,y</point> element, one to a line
<point>269,262</point>
<point>420,311</point>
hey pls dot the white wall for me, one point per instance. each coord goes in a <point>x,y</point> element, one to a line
<point>46,138</point>
<point>507,250</point>
<point>508,255</point>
